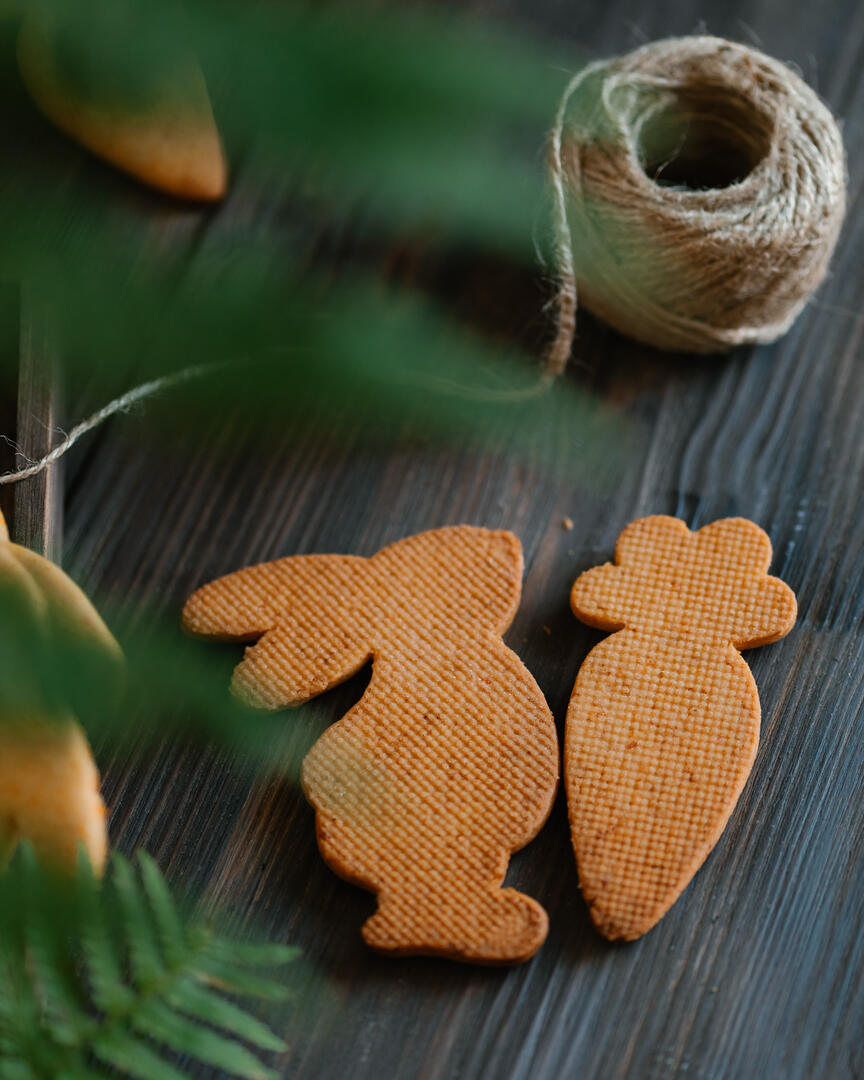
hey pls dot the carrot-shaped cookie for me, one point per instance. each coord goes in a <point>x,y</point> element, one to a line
<point>447,764</point>
<point>663,723</point>
<point>165,137</point>
<point>49,786</point>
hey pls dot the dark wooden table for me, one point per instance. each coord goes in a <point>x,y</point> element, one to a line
<point>758,971</point>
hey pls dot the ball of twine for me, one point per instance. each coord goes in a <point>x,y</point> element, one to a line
<point>699,189</point>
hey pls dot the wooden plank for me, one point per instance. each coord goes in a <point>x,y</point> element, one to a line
<point>758,971</point>
<point>38,512</point>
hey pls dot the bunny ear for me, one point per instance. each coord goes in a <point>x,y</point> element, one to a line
<point>290,665</point>
<point>465,569</point>
<point>314,631</point>
<point>237,607</point>
<point>243,605</point>
<point>493,563</point>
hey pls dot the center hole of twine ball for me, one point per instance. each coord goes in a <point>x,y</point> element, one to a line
<point>706,138</point>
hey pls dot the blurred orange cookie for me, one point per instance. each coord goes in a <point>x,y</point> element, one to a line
<point>169,141</point>
<point>663,723</point>
<point>449,761</point>
<point>49,785</point>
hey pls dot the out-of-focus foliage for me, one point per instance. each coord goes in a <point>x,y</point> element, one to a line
<point>95,978</point>
<point>348,127</point>
<point>339,120</point>
<point>427,117</point>
<point>170,687</point>
<point>354,117</point>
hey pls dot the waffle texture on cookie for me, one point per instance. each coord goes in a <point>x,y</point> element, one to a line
<point>663,722</point>
<point>449,761</point>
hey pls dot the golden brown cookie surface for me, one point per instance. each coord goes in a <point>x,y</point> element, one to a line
<point>49,785</point>
<point>171,143</point>
<point>449,761</point>
<point>663,723</point>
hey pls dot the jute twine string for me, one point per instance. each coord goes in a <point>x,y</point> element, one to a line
<point>120,404</point>
<point>150,389</point>
<point>699,187</point>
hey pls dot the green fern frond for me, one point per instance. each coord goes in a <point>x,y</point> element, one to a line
<point>102,977</point>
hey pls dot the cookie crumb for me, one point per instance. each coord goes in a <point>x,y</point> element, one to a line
<point>567,524</point>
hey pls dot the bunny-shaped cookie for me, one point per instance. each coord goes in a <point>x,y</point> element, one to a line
<point>663,723</point>
<point>449,761</point>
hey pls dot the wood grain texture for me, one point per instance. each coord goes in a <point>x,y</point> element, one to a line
<point>30,406</point>
<point>38,512</point>
<point>758,970</point>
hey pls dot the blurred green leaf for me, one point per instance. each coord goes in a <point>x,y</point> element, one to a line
<point>414,120</point>
<point>422,114</point>
<point>195,1000</point>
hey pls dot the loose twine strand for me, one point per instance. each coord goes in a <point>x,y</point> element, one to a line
<point>568,296</point>
<point>167,382</point>
<point>120,404</point>
<point>696,267</point>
